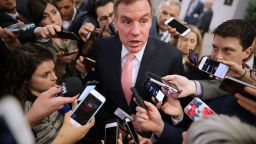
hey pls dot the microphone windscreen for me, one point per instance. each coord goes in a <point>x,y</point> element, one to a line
<point>73,86</point>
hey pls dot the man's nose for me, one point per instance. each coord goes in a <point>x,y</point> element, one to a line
<point>135,29</point>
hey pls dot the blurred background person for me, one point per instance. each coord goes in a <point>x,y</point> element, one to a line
<point>45,13</point>
<point>194,11</point>
<point>205,18</point>
<point>165,10</point>
<point>220,129</point>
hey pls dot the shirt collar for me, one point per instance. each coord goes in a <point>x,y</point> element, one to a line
<point>138,55</point>
<point>13,15</point>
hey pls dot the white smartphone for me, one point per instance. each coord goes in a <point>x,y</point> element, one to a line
<point>87,108</point>
<point>180,28</point>
<point>213,67</point>
<point>197,109</point>
<point>111,132</point>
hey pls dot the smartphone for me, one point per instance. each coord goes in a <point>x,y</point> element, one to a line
<point>67,35</point>
<point>193,57</point>
<point>233,86</point>
<point>111,132</point>
<point>87,108</point>
<point>90,64</point>
<point>180,28</point>
<point>197,109</point>
<point>138,98</point>
<point>130,128</point>
<point>90,85</point>
<point>213,67</point>
<point>18,27</point>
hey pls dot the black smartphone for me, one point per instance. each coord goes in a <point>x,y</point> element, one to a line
<point>130,128</point>
<point>138,98</point>
<point>90,64</point>
<point>180,28</point>
<point>67,35</point>
<point>213,67</point>
<point>18,27</point>
<point>233,86</point>
<point>193,57</point>
<point>111,132</point>
<point>87,108</point>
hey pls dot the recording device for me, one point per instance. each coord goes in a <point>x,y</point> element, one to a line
<point>18,27</point>
<point>154,85</point>
<point>112,28</point>
<point>193,57</point>
<point>87,108</point>
<point>121,114</point>
<point>197,109</point>
<point>70,87</point>
<point>138,98</point>
<point>111,132</point>
<point>130,128</point>
<point>213,67</point>
<point>90,64</point>
<point>180,28</point>
<point>90,85</point>
<point>67,35</point>
<point>233,86</point>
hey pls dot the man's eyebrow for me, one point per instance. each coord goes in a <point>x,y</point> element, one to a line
<point>125,17</point>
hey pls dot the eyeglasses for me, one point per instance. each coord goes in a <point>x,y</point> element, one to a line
<point>105,18</point>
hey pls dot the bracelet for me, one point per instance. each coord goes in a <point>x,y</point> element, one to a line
<point>242,75</point>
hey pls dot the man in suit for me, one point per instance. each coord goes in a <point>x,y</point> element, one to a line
<point>165,10</point>
<point>195,9</point>
<point>133,21</point>
<point>204,20</point>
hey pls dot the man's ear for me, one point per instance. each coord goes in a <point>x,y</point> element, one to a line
<point>248,52</point>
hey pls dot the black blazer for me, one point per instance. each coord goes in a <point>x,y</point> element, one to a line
<point>159,58</point>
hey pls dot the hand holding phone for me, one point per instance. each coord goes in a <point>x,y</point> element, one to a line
<point>197,109</point>
<point>180,28</point>
<point>213,67</point>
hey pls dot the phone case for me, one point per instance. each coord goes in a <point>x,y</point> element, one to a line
<point>89,64</point>
<point>138,98</point>
<point>197,109</point>
<point>233,86</point>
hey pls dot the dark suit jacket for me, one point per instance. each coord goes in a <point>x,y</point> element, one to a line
<point>204,21</point>
<point>154,30</point>
<point>195,14</point>
<point>159,58</point>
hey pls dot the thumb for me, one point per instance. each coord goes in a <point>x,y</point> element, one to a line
<point>51,92</point>
<point>150,106</point>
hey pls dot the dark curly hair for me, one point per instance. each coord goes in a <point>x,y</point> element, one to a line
<point>23,62</point>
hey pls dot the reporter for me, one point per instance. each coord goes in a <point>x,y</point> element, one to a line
<point>246,103</point>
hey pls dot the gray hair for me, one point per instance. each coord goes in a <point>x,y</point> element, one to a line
<point>173,2</point>
<point>221,130</point>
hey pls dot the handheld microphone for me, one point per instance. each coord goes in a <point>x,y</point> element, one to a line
<point>69,88</point>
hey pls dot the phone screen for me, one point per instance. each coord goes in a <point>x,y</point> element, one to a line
<point>155,90</point>
<point>90,64</point>
<point>111,134</point>
<point>180,28</point>
<point>193,57</point>
<point>233,86</point>
<point>20,27</point>
<point>86,109</point>
<point>213,67</point>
